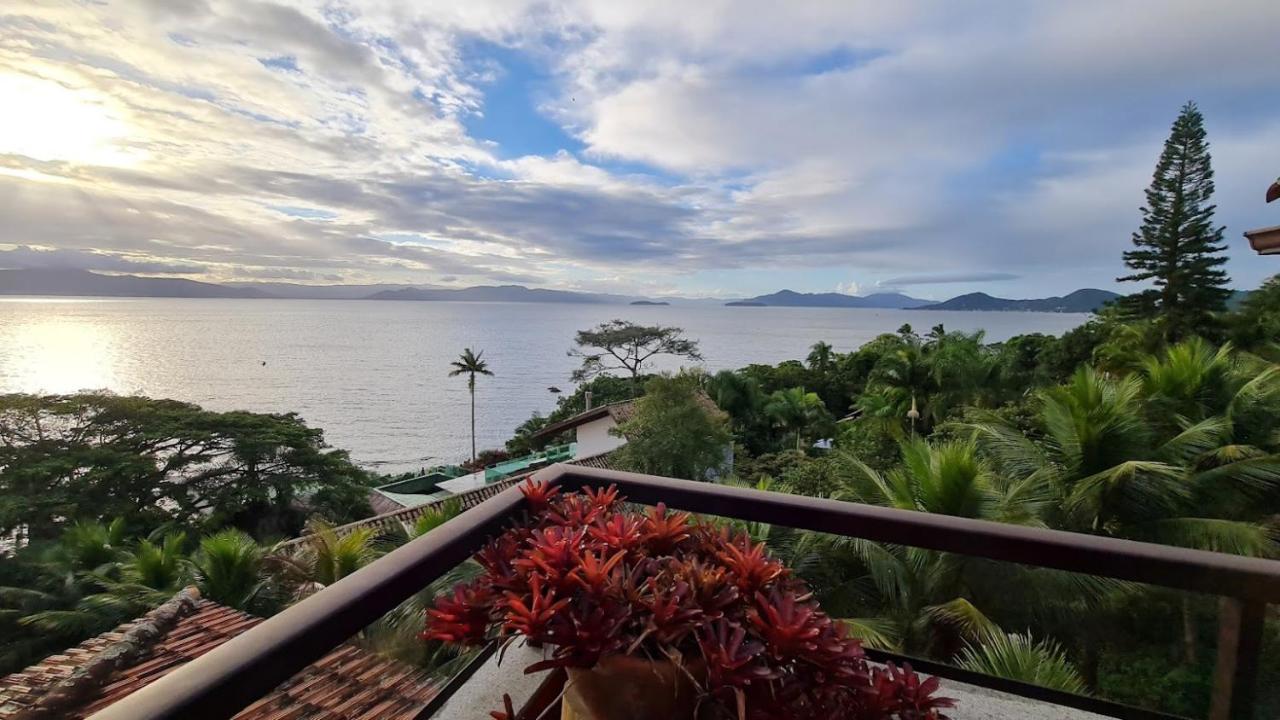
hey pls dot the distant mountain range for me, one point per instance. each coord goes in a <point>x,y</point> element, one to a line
<point>68,282</point>
<point>499,293</point>
<point>56,281</point>
<point>296,291</point>
<point>791,298</point>
<point>1080,301</point>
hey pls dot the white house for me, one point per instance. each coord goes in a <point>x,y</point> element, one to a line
<point>591,428</point>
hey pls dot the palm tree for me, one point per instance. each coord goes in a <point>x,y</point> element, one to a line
<point>1113,472</point>
<point>933,377</point>
<point>323,558</point>
<point>91,583</point>
<point>740,396</point>
<point>1144,457</point>
<point>471,364</point>
<point>229,569</point>
<point>794,410</point>
<point>820,357</point>
<point>924,600</point>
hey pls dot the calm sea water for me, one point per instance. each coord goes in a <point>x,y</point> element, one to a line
<point>374,374</point>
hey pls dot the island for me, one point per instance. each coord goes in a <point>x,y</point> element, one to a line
<point>745,303</point>
<point>649,302</point>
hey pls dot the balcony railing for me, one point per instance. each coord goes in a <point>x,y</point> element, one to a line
<point>236,674</point>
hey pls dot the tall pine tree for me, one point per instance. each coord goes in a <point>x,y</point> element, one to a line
<point>1178,248</point>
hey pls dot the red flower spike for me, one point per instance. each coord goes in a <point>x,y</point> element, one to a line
<point>750,565</point>
<point>574,511</point>
<point>790,629</point>
<point>664,531</point>
<point>619,532</point>
<point>731,659</point>
<point>672,614</point>
<point>539,494</point>
<point>593,571</point>
<point>462,618</point>
<point>553,552</point>
<point>532,619</point>
<point>604,500</point>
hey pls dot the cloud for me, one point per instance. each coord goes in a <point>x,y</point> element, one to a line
<point>24,256</point>
<point>847,288</point>
<point>926,143</point>
<point>945,278</point>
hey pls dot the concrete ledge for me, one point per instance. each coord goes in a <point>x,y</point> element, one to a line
<point>503,673</point>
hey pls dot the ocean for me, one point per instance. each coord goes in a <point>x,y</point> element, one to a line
<point>374,374</point>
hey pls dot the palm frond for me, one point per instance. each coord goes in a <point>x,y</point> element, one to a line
<point>1213,534</point>
<point>876,632</point>
<point>963,616</point>
<point>1020,657</point>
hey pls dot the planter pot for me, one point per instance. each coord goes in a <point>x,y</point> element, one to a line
<point>621,687</point>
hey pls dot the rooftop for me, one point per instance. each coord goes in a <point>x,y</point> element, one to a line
<point>619,411</point>
<point>345,683</point>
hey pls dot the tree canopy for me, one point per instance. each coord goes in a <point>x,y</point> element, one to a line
<point>159,462</point>
<point>621,345</point>
<point>675,431</point>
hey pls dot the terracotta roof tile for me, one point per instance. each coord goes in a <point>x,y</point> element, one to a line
<point>603,461</point>
<point>346,683</point>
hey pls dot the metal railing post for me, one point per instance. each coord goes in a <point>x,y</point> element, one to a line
<point>1235,677</point>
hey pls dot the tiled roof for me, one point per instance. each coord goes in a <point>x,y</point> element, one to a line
<point>346,683</point>
<point>619,411</point>
<point>603,461</point>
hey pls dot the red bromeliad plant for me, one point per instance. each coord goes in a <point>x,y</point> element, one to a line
<point>590,579</point>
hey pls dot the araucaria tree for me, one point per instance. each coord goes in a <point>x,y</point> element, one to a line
<point>471,365</point>
<point>619,345</point>
<point>1178,248</point>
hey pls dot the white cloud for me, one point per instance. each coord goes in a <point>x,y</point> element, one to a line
<point>869,139</point>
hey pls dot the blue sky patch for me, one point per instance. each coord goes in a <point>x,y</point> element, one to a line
<point>510,115</point>
<point>284,62</point>
<point>304,212</point>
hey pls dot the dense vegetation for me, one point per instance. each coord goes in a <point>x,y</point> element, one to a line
<point>1158,420</point>
<point>164,463</point>
<point>1110,429</point>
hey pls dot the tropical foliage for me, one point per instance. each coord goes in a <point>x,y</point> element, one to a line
<point>675,431</point>
<point>159,463</point>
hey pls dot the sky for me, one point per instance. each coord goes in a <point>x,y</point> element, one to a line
<point>720,149</point>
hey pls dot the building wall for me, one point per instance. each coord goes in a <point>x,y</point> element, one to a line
<point>594,437</point>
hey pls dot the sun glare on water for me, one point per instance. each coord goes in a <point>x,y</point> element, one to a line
<point>47,121</point>
<point>57,356</point>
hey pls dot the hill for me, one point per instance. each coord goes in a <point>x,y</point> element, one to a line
<point>1080,301</point>
<point>499,293</point>
<point>791,298</point>
<point>299,291</point>
<point>67,282</point>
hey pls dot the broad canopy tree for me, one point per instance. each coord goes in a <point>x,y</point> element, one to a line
<point>676,431</point>
<point>157,462</point>
<point>623,346</point>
